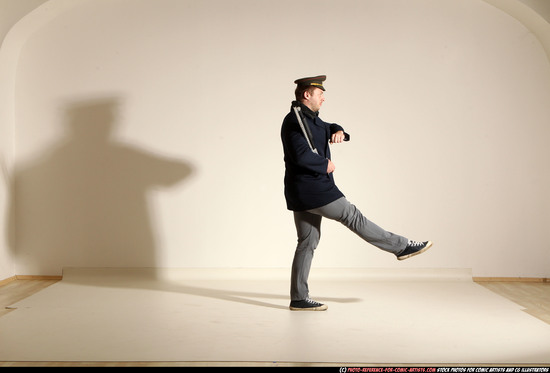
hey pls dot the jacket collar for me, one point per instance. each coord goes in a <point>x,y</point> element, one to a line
<point>307,111</point>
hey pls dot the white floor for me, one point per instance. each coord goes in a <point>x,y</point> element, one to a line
<point>374,317</point>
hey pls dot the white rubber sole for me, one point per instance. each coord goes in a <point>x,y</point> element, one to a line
<point>428,245</point>
<point>324,307</point>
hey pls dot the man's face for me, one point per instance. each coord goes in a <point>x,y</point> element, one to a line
<point>315,99</point>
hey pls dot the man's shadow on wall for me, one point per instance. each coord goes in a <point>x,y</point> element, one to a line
<point>85,201</point>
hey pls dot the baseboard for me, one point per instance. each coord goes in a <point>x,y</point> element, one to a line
<point>511,279</point>
<point>29,277</point>
<point>37,277</point>
<point>7,280</point>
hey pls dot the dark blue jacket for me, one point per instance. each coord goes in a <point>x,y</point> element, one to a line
<point>307,183</point>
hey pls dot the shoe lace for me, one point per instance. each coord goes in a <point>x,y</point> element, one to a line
<point>311,301</point>
<point>415,243</point>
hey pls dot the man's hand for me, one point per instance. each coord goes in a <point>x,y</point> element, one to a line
<point>331,167</point>
<point>337,137</point>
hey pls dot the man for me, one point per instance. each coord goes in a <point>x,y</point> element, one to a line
<point>311,193</point>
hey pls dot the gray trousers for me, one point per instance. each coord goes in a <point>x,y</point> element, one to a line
<point>308,228</point>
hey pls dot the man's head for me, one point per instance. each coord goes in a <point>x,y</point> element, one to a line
<point>310,91</point>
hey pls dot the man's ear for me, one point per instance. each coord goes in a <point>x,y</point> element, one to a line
<point>306,95</point>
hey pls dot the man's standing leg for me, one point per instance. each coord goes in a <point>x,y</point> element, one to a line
<point>308,229</point>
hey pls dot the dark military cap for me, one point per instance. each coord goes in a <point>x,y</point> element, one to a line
<point>316,81</point>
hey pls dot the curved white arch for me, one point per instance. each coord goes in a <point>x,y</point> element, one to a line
<point>530,17</point>
<point>25,23</point>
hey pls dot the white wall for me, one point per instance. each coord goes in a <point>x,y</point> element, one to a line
<point>147,132</point>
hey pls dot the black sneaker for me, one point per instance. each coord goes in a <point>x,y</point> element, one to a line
<point>307,305</point>
<point>414,248</point>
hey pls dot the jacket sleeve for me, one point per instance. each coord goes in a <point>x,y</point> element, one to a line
<point>335,128</point>
<point>298,151</point>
